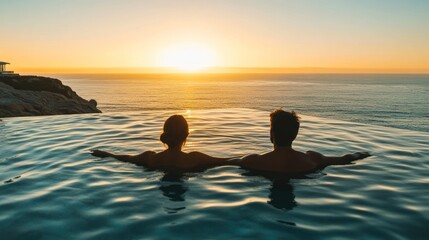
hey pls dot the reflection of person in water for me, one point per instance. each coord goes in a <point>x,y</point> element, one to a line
<point>174,187</point>
<point>281,194</point>
<point>176,131</point>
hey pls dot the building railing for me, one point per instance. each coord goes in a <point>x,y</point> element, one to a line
<point>8,73</point>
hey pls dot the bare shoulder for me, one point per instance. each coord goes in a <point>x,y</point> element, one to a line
<point>198,155</point>
<point>250,161</point>
<point>200,158</point>
<point>147,155</point>
<point>314,155</point>
<point>251,157</point>
<point>154,158</point>
<point>204,160</point>
<point>302,162</point>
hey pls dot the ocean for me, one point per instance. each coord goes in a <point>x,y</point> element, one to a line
<point>52,188</point>
<point>392,100</point>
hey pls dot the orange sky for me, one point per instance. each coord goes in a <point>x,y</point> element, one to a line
<point>308,36</point>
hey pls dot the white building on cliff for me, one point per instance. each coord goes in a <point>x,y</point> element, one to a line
<point>3,71</point>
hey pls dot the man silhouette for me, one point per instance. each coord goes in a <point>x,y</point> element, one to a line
<point>284,129</point>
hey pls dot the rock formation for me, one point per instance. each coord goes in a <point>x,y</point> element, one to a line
<point>34,96</point>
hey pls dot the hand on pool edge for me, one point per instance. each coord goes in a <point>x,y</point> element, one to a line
<point>356,156</point>
<point>99,153</point>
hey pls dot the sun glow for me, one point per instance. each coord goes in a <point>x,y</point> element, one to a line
<point>189,57</point>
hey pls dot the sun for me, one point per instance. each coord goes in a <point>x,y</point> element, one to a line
<point>189,57</point>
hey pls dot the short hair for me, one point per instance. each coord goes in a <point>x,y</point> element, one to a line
<point>284,127</point>
<point>176,131</point>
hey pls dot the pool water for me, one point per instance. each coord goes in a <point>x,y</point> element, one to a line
<point>52,188</point>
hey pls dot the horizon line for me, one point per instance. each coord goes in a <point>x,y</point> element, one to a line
<point>220,70</point>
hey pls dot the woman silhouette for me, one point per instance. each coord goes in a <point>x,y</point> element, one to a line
<point>176,131</point>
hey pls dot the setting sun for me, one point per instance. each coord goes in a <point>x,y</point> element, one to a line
<point>188,57</point>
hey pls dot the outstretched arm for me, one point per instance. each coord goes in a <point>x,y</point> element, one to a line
<point>140,159</point>
<point>322,160</point>
<point>209,161</point>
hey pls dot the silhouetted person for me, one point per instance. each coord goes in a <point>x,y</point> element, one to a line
<point>284,129</point>
<point>176,131</point>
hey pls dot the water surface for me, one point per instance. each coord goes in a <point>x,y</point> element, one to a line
<point>51,188</point>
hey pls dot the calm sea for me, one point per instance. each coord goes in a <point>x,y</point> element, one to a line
<point>393,100</point>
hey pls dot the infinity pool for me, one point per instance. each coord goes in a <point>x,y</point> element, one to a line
<point>52,188</point>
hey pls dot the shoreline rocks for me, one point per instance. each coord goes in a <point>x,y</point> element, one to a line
<point>37,96</point>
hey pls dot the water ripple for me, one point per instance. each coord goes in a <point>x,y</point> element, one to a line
<point>51,188</point>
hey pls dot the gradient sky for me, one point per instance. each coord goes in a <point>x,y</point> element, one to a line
<point>386,34</point>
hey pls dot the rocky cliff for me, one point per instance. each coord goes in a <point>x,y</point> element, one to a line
<point>34,96</point>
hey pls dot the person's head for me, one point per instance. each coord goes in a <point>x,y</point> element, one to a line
<point>175,131</point>
<point>284,127</point>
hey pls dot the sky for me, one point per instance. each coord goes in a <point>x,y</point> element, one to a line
<point>360,34</point>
